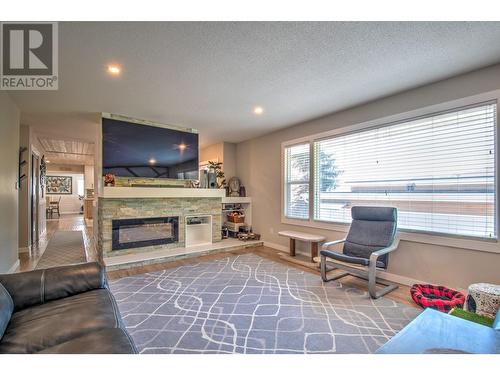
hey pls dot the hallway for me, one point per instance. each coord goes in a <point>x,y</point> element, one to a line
<point>69,222</point>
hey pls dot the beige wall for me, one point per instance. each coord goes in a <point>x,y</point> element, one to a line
<point>229,160</point>
<point>224,152</point>
<point>89,176</point>
<point>259,167</point>
<point>212,152</point>
<point>24,224</point>
<point>29,139</point>
<point>9,151</point>
<point>68,203</point>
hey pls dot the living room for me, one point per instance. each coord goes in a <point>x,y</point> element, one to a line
<point>263,188</point>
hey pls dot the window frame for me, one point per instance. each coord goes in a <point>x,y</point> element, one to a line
<point>285,184</point>
<point>443,239</point>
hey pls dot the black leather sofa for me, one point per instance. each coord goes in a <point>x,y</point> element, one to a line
<point>61,310</point>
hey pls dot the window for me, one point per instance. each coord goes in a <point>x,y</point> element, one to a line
<point>297,181</point>
<point>438,170</point>
<point>80,186</point>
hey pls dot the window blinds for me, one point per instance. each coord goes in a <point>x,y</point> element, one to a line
<point>297,181</point>
<point>439,171</point>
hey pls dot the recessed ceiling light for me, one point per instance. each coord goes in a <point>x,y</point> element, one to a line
<point>152,161</point>
<point>114,69</point>
<point>258,110</point>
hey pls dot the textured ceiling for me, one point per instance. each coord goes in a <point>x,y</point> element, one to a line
<point>209,75</point>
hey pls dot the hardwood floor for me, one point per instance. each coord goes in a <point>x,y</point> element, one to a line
<point>401,295</point>
<point>74,222</point>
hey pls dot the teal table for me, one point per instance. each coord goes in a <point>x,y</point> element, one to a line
<point>436,332</point>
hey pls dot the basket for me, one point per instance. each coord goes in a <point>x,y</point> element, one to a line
<point>236,219</point>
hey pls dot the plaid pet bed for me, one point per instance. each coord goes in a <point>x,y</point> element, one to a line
<point>436,297</point>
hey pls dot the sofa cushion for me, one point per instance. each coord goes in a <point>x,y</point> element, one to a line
<point>37,287</point>
<point>105,341</point>
<point>6,309</point>
<point>40,327</point>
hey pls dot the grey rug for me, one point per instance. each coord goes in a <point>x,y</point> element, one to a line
<point>248,304</point>
<point>65,247</point>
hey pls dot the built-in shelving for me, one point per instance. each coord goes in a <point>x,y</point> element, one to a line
<point>243,204</point>
<point>198,230</point>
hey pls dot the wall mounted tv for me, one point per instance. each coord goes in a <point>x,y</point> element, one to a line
<point>136,150</point>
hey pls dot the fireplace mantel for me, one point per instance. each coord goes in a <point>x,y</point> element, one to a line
<point>154,192</point>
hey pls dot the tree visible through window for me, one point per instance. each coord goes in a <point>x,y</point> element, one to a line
<point>297,181</point>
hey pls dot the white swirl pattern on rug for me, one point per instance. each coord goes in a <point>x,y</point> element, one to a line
<point>248,304</point>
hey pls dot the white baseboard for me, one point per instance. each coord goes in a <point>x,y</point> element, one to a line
<point>403,280</point>
<point>26,249</point>
<point>14,267</point>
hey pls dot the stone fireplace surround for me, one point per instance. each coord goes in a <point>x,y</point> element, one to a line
<point>137,203</point>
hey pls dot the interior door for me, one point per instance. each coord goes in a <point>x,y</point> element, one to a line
<point>35,197</point>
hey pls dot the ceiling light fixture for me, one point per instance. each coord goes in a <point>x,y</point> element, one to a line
<point>258,110</point>
<point>114,70</point>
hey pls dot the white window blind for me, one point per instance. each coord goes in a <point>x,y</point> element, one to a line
<point>439,171</point>
<point>297,181</point>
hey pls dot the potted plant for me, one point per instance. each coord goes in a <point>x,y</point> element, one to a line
<point>216,167</point>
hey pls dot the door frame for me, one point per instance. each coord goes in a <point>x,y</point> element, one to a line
<point>34,189</point>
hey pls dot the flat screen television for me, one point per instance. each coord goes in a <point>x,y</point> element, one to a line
<point>136,150</point>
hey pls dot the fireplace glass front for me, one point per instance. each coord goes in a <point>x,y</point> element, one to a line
<point>130,233</point>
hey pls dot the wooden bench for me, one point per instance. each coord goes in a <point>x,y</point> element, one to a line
<point>313,239</point>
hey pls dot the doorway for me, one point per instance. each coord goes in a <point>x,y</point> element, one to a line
<point>35,198</point>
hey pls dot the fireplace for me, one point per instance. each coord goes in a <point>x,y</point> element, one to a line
<point>130,233</point>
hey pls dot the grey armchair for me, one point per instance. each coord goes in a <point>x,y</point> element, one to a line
<point>366,248</point>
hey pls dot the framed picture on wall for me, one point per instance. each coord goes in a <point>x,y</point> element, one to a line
<point>59,185</point>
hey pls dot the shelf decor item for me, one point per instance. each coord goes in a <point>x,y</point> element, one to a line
<point>236,217</point>
<point>218,181</point>
<point>43,174</point>
<point>109,179</point>
<point>483,299</point>
<point>59,185</point>
<point>234,187</point>
<point>243,191</point>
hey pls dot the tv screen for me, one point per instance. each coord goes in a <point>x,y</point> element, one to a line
<point>136,150</point>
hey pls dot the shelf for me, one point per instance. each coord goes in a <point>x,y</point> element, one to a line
<point>236,200</point>
<point>152,192</point>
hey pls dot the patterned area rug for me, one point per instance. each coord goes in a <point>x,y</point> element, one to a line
<point>65,247</point>
<point>248,304</point>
